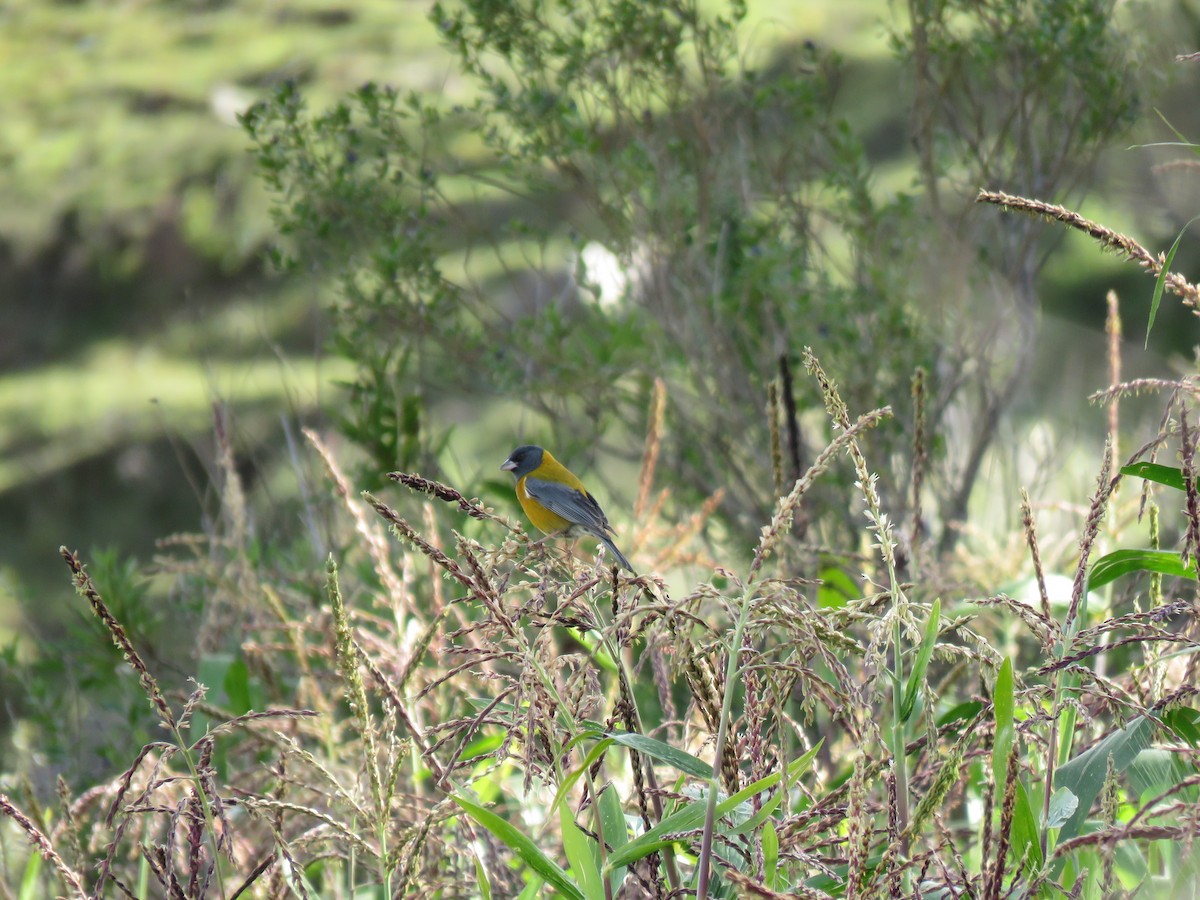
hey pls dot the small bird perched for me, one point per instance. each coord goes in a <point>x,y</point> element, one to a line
<point>555,500</point>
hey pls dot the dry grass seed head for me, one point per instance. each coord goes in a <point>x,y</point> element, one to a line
<point>377,547</point>
<point>859,826</point>
<point>1095,517</point>
<point>1110,240</point>
<point>85,586</point>
<point>42,844</point>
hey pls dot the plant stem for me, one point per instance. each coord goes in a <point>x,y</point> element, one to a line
<point>899,758</point>
<point>704,863</point>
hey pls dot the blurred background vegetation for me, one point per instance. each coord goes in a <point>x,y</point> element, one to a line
<point>430,281</point>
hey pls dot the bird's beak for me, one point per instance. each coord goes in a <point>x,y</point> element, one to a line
<point>507,466</point>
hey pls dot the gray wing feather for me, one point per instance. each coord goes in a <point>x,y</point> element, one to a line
<point>574,506</point>
<point>580,508</point>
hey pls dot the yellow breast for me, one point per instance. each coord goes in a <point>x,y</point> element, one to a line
<point>543,519</point>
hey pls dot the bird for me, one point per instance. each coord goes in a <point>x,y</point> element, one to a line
<point>555,500</point>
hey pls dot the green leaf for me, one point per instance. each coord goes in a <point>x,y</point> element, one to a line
<point>1152,144</point>
<point>1132,862</point>
<point>1185,723</point>
<point>615,828</point>
<point>672,756</point>
<point>225,671</point>
<point>1183,141</point>
<point>962,712</point>
<point>532,890</point>
<point>836,588</point>
<point>1161,282</point>
<point>1155,771</point>
<point>579,849</point>
<point>1026,843</point>
<point>237,687</point>
<point>796,768</point>
<point>481,881</point>
<point>1084,775</point>
<point>691,816</point>
<point>568,782</point>
<point>1025,839</point>
<point>1002,707</point>
<point>1063,804</point>
<point>1113,565</point>
<point>917,676</point>
<point>525,848</point>
<point>1160,474</point>
<point>770,848</point>
<point>30,889</point>
<point>763,814</point>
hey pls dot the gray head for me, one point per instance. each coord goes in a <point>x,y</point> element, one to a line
<point>523,460</point>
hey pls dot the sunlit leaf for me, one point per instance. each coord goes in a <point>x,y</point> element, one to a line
<point>579,850</point>
<point>1171,476</point>
<point>1113,565</point>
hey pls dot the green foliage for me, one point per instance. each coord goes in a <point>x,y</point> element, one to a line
<point>1020,96</point>
<point>490,703</point>
<point>1000,106</point>
<point>62,686</point>
<point>113,113</point>
<point>736,201</point>
<point>471,712</point>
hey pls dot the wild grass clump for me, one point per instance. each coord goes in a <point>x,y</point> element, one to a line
<point>423,701</point>
<point>477,714</point>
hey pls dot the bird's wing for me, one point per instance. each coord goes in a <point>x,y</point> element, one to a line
<point>573,505</point>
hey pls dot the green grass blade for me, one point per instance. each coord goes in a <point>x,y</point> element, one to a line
<point>770,848</point>
<point>672,756</point>
<point>575,774</point>
<point>1160,474</point>
<point>525,848</point>
<point>796,768</point>
<point>533,890</point>
<point>580,851</point>
<point>917,676</point>
<point>1183,141</point>
<point>481,881</point>
<point>1122,562</point>
<point>1026,843</point>
<point>615,828</point>
<point>30,889</point>
<point>689,818</point>
<point>1185,723</point>
<point>1002,706</point>
<point>1161,281</point>
<point>1084,775</point>
<point>666,832</point>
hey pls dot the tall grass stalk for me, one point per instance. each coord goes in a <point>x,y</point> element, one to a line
<point>781,522</point>
<point>898,612</point>
<point>731,671</point>
<point>86,588</point>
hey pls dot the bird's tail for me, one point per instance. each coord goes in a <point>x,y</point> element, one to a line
<point>617,554</point>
